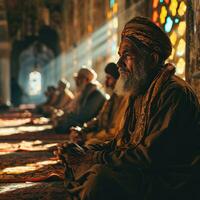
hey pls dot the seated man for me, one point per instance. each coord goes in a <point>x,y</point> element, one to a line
<point>89,102</point>
<point>157,154</point>
<point>60,99</point>
<point>107,123</point>
<point>65,95</point>
<point>51,98</point>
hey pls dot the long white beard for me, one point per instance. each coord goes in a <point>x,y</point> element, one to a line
<point>134,83</point>
<point>120,87</point>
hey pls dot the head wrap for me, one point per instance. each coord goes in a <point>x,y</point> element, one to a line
<point>63,82</point>
<point>148,34</point>
<point>111,68</point>
<point>87,73</point>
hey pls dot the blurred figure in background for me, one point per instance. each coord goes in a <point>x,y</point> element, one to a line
<point>109,120</point>
<point>58,99</point>
<point>89,100</point>
<point>51,97</point>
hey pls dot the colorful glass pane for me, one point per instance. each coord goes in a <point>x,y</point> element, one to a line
<point>163,14</point>
<point>115,8</point>
<point>181,28</point>
<point>176,20</point>
<point>155,3</point>
<point>182,8</point>
<point>181,47</point>
<point>170,15</point>
<point>155,16</point>
<point>112,2</point>
<point>173,38</point>
<point>168,24</point>
<point>173,7</point>
<point>180,66</point>
<point>172,54</point>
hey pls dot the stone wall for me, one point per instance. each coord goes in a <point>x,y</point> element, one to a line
<point>4,57</point>
<point>193,45</point>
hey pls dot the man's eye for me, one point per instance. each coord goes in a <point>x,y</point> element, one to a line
<point>128,56</point>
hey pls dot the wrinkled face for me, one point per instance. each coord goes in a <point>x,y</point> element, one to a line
<point>110,81</point>
<point>132,69</point>
<point>81,82</point>
<point>61,86</point>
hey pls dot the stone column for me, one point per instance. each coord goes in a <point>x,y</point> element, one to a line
<point>193,45</point>
<point>4,57</point>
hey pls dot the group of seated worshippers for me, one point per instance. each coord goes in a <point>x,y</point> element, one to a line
<point>156,154</point>
<point>93,115</point>
<point>88,101</point>
<point>57,99</point>
<point>108,122</point>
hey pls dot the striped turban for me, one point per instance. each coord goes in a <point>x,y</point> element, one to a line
<point>143,31</point>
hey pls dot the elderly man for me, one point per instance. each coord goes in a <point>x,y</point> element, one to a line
<point>65,96</point>
<point>60,98</point>
<point>108,122</point>
<point>156,155</point>
<point>88,103</point>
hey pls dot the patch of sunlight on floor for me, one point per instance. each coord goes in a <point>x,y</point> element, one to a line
<point>23,129</point>
<point>41,120</point>
<point>18,170</point>
<point>34,128</point>
<point>15,186</point>
<point>36,145</point>
<point>14,122</point>
<point>28,167</point>
<point>8,131</point>
<point>5,153</point>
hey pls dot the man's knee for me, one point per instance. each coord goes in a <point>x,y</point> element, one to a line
<point>101,184</point>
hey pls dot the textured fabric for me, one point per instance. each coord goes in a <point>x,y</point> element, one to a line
<point>162,142</point>
<point>64,98</point>
<point>147,33</point>
<point>109,121</point>
<point>88,106</point>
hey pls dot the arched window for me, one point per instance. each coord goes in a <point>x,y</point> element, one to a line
<point>171,16</point>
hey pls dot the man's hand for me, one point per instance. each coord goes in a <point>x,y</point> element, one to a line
<point>73,153</point>
<point>76,135</point>
<point>70,148</point>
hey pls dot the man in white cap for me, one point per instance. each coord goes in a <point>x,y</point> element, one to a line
<point>109,120</point>
<point>88,103</point>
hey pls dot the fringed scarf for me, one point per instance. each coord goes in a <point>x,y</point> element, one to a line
<point>134,130</point>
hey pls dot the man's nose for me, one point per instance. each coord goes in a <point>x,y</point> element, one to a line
<point>119,63</point>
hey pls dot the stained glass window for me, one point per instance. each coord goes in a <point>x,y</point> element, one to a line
<point>170,15</point>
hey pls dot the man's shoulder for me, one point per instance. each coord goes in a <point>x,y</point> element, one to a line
<point>177,84</point>
<point>99,92</point>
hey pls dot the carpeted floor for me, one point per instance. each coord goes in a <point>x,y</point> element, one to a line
<point>28,168</point>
